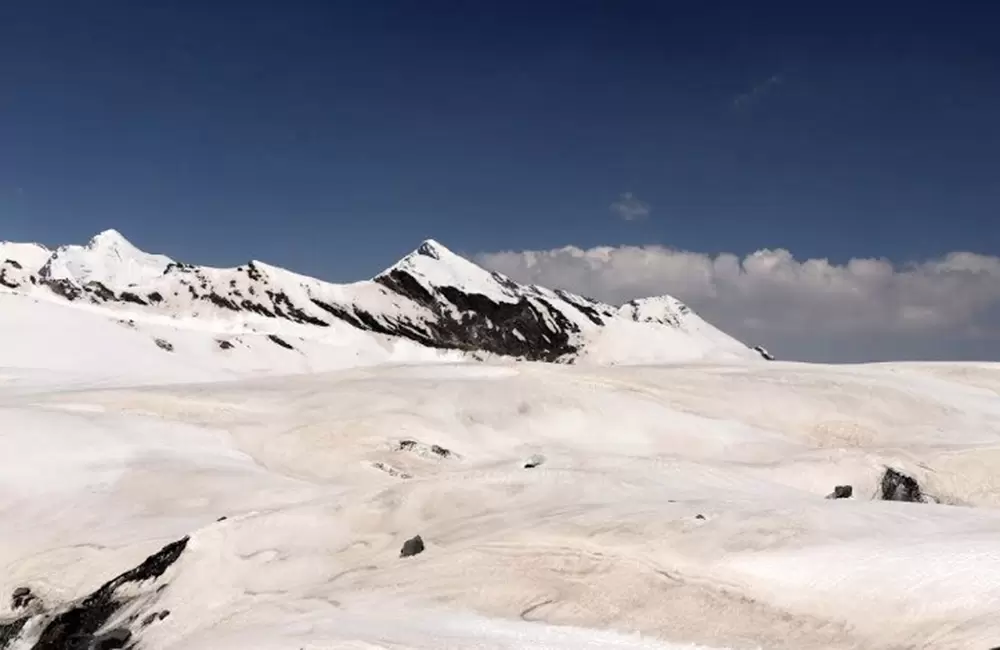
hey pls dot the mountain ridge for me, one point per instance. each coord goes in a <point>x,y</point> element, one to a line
<point>432,296</point>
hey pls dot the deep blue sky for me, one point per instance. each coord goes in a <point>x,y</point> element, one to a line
<point>331,137</point>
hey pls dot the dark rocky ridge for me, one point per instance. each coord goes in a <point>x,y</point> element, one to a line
<point>81,625</point>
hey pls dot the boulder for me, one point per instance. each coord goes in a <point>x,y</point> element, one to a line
<point>841,492</point>
<point>412,546</point>
<point>21,598</point>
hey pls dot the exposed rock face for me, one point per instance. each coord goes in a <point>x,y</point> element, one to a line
<point>79,626</point>
<point>897,486</point>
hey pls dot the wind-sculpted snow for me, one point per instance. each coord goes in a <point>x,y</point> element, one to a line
<point>641,508</point>
<point>431,297</point>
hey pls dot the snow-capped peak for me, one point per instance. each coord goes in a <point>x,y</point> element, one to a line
<point>111,239</point>
<point>432,297</point>
<point>109,258</point>
<point>435,265</point>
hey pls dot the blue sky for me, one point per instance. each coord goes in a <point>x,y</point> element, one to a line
<point>332,137</point>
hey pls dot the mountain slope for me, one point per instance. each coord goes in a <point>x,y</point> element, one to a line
<point>431,297</point>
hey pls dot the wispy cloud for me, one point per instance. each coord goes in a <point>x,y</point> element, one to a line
<point>757,92</point>
<point>944,308</point>
<point>628,207</point>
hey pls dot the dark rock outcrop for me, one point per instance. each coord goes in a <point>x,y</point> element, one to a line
<point>516,329</point>
<point>64,289</point>
<point>22,598</point>
<point>133,298</point>
<point>277,340</point>
<point>440,451</point>
<point>412,546</point>
<point>841,492</point>
<point>79,625</point>
<point>896,486</point>
<point>10,630</point>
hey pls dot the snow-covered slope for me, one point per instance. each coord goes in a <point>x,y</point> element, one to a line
<point>109,259</point>
<point>432,297</point>
<point>215,459</point>
<point>645,508</point>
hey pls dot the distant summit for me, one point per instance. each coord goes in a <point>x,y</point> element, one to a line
<point>432,297</point>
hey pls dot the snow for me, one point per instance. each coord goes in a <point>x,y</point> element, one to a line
<point>108,258</point>
<point>84,342</point>
<point>162,292</point>
<point>438,267</point>
<point>30,256</point>
<point>666,506</point>
<point>111,449</point>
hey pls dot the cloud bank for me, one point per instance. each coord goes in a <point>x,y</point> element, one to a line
<point>866,309</point>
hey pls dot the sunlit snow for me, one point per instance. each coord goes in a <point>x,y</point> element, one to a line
<point>563,507</point>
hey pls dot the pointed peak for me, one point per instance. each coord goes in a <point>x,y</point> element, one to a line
<point>433,248</point>
<point>110,238</point>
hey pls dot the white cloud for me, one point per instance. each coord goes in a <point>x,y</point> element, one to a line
<point>812,309</point>
<point>629,208</point>
<point>757,91</point>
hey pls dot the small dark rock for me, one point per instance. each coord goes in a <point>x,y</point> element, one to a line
<point>277,340</point>
<point>225,345</point>
<point>441,451</point>
<point>21,598</point>
<point>412,547</point>
<point>222,518</point>
<point>842,492</point>
<point>702,517</point>
<point>112,640</point>
<point>534,461</point>
<point>406,445</point>
<point>154,617</point>
<point>163,344</point>
<point>897,486</point>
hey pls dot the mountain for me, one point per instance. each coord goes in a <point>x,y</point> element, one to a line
<point>432,298</point>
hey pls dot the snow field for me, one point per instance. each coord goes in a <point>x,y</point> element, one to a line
<point>604,534</point>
